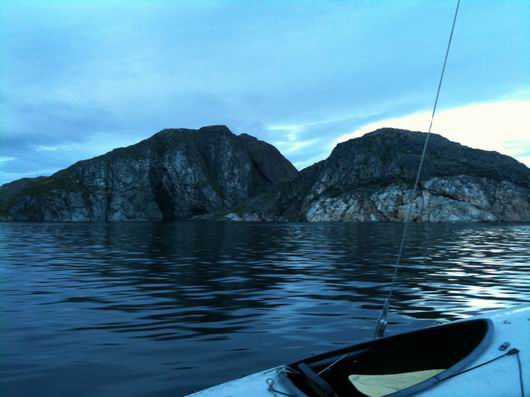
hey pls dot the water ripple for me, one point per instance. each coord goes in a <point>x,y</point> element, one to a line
<point>142,307</point>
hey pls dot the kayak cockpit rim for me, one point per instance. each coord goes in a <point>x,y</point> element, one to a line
<point>449,347</point>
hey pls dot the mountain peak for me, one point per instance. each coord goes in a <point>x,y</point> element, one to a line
<point>216,129</point>
<point>370,178</point>
<point>398,133</point>
<point>208,129</point>
<point>175,174</point>
<point>391,130</point>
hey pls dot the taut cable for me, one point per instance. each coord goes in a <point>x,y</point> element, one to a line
<point>382,321</point>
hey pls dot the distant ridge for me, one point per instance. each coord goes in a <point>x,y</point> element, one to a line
<point>210,173</point>
<point>175,174</point>
<point>368,179</point>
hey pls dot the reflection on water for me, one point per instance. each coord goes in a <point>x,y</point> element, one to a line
<point>160,309</point>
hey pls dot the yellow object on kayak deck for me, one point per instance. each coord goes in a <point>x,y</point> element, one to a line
<point>381,385</point>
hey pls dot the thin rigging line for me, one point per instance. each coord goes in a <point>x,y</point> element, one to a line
<point>381,322</point>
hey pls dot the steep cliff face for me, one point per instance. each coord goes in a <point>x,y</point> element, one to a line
<point>369,179</point>
<point>176,174</point>
<point>181,174</point>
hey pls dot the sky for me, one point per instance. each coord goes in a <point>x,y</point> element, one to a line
<point>79,78</point>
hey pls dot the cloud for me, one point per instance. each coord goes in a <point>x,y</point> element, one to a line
<point>79,78</point>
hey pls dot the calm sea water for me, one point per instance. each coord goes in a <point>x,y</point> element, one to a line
<point>162,309</point>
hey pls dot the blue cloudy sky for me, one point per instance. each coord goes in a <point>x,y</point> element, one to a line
<point>78,78</point>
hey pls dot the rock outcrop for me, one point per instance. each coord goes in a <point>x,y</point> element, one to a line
<point>175,174</point>
<point>211,173</point>
<point>370,179</point>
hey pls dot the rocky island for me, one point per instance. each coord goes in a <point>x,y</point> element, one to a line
<point>211,173</point>
<point>369,179</point>
<point>174,175</point>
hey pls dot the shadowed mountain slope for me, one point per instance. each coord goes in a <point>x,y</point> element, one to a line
<point>369,179</point>
<point>175,174</point>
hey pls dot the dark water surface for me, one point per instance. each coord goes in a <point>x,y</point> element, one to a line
<point>161,309</point>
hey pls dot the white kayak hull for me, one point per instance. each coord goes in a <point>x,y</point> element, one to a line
<point>507,376</point>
